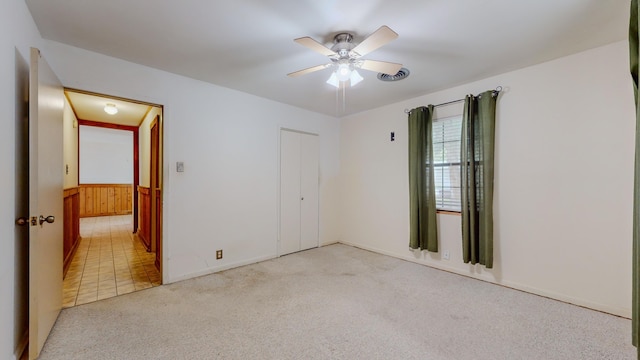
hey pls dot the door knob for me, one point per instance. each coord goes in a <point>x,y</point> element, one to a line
<point>50,219</point>
<point>22,221</point>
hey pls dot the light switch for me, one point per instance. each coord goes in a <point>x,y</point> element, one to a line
<point>180,166</point>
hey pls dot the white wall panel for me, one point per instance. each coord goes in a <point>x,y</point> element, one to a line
<point>106,156</point>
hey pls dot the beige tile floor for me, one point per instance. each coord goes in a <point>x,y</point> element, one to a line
<point>110,261</point>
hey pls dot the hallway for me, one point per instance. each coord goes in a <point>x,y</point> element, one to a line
<point>110,261</point>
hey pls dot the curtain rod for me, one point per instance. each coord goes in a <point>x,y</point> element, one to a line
<point>498,89</point>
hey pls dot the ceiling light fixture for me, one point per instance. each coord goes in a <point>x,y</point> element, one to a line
<point>111,109</point>
<point>343,74</point>
<point>333,80</point>
<point>355,77</point>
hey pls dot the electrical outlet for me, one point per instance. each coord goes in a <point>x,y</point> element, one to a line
<point>445,255</point>
<point>218,254</point>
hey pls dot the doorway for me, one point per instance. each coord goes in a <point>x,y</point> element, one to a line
<point>115,233</point>
<point>47,161</point>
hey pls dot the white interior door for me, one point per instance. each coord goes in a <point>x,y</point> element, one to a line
<point>298,191</point>
<point>289,192</point>
<point>309,155</point>
<point>46,102</point>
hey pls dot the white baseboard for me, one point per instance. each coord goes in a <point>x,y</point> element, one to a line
<point>622,312</point>
<point>329,243</point>
<point>216,269</point>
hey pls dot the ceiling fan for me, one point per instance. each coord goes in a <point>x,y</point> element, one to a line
<point>345,56</point>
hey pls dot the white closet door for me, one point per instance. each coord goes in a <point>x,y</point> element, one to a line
<point>298,191</point>
<point>309,154</point>
<point>289,192</point>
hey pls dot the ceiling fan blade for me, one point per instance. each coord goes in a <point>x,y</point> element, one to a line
<point>381,66</point>
<point>379,37</point>
<point>308,70</point>
<point>315,46</point>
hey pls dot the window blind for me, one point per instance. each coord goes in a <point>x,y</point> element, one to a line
<point>446,159</point>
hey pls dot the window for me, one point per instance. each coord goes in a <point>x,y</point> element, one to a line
<point>446,162</point>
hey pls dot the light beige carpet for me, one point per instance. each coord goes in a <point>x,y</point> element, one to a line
<point>336,302</point>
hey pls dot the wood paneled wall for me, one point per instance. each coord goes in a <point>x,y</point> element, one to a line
<point>159,229</point>
<point>105,199</point>
<point>144,229</point>
<point>71,232</point>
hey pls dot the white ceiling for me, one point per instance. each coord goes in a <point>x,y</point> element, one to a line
<point>91,107</point>
<point>248,45</point>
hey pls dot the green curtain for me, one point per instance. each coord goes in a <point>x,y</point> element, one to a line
<point>476,177</point>
<point>635,301</point>
<point>422,192</point>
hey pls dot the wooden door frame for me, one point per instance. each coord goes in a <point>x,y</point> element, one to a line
<point>153,178</point>
<point>155,185</point>
<point>136,159</point>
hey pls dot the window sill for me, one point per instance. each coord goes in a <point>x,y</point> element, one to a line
<point>447,212</point>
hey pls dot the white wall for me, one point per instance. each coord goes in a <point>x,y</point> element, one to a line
<point>564,181</point>
<point>17,34</point>
<point>227,196</point>
<point>106,156</point>
<point>70,128</point>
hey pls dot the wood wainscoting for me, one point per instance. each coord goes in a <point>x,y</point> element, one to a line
<point>144,225</point>
<point>71,220</point>
<point>105,199</point>
<point>158,224</point>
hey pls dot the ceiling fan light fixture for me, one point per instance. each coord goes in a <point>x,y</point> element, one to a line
<point>345,56</point>
<point>111,109</point>
<point>343,72</point>
<point>333,80</point>
<point>355,77</point>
